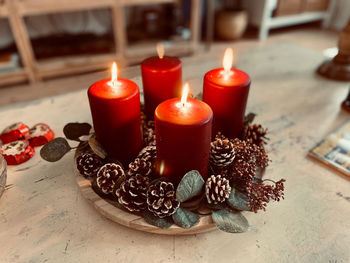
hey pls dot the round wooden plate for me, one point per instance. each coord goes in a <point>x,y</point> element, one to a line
<point>3,174</point>
<point>110,210</point>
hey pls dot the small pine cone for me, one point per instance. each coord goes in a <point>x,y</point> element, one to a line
<point>255,134</point>
<point>217,189</point>
<point>222,152</point>
<point>140,166</point>
<point>132,193</point>
<point>88,164</point>
<point>149,153</point>
<point>161,199</point>
<point>149,136</point>
<point>107,177</point>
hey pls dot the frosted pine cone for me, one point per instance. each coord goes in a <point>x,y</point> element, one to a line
<point>217,189</point>
<point>88,164</point>
<point>132,193</point>
<point>107,177</point>
<point>222,152</point>
<point>161,199</point>
<point>255,134</point>
<point>140,166</point>
<point>149,153</point>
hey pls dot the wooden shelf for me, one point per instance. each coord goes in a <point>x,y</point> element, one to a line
<point>76,64</point>
<point>13,76</point>
<point>35,70</point>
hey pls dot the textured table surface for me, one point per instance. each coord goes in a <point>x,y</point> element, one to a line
<point>44,218</point>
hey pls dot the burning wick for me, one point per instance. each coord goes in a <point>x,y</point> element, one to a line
<point>227,63</point>
<point>160,50</point>
<point>184,95</point>
<point>114,79</point>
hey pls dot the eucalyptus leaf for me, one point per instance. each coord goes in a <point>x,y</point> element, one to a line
<point>156,221</point>
<point>185,218</point>
<point>238,200</point>
<point>73,131</point>
<point>97,148</point>
<point>190,185</point>
<point>249,118</point>
<point>199,96</point>
<point>219,206</point>
<point>231,222</point>
<point>55,149</point>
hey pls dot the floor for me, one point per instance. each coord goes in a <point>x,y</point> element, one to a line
<point>311,36</point>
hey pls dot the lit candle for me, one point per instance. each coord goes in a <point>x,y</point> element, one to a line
<point>162,78</point>
<point>226,91</point>
<point>115,109</point>
<point>183,134</point>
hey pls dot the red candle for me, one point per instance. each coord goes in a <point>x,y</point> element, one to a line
<point>226,91</point>
<point>183,134</point>
<point>115,109</point>
<point>162,78</point>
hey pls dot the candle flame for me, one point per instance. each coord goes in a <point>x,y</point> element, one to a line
<point>228,60</point>
<point>114,73</point>
<point>184,96</point>
<point>160,50</point>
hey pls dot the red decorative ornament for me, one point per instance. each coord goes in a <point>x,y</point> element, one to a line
<point>17,152</point>
<point>14,132</point>
<point>40,134</point>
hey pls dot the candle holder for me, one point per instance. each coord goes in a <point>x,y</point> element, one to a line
<point>137,197</point>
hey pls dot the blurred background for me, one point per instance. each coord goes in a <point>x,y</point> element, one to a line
<point>42,40</point>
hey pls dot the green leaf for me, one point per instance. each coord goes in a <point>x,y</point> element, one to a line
<point>150,218</point>
<point>55,149</point>
<point>232,222</point>
<point>185,218</point>
<point>219,206</point>
<point>238,200</point>
<point>190,185</point>
<point>73,131</point>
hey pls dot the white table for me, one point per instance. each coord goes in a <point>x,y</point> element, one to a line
<point>44,218</point>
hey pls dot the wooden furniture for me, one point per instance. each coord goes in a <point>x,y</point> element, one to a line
<point>339,67</point>
<point>35,70</point>
<point>269,14</point>
<point>45,218</point>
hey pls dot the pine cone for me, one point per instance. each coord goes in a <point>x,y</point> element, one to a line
<point>140,166</point>
<point>107,177</point>
<point>149,137</point>
<point>161,199</point>
<point>88,164</point>
<point>149,153</point>
<point>217,189</point>
<point>222,152</point>
<point>255,134</point>
<point>132,193</point>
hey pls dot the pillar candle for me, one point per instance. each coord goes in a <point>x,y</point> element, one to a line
<point>183,135</point>
<point>115,109</point>
<point>162,78</point>
<point>226,90</point>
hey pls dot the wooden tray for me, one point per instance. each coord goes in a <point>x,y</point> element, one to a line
<point>108,209</point>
